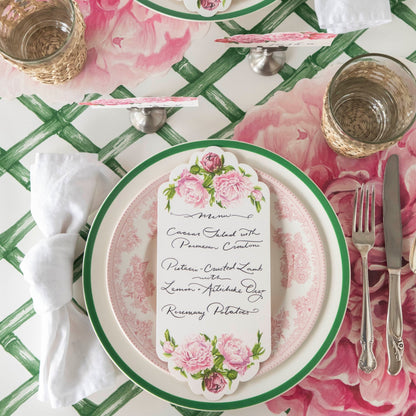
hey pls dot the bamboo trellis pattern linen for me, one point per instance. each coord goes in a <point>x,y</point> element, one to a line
<point>280,113</point>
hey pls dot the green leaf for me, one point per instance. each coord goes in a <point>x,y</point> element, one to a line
<point>181,371</point>
<point>218,361</point>
<point>259,335</point>
<point>207,181</point>
<point>195,169</point>
<point>167,335</point>
<point>258,206</point>
<point>232,374</point>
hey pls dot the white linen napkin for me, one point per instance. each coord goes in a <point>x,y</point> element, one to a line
<point>65,189</point>
<point>341,16</point>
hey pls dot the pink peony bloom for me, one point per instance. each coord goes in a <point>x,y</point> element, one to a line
<point>289,125</point>
<point>215,383</point>
<point>211,162</point>
<point>168,347</point>
<point>231,187</point>
<point>210,4</point>
<point>126,44</point>
<point>191,189</point>
<point>257,195</point>
<point>236,354</point>
<point>194,355</point>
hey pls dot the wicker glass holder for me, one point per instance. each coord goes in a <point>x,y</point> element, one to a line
<point>51,52</point>
<point>369,105</point>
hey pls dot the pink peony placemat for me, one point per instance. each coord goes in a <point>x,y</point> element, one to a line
<point>289,124</point>
<point>126,42</point>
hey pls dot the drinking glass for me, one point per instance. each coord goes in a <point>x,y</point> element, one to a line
<point>43,38</point>
<point>368,105</point>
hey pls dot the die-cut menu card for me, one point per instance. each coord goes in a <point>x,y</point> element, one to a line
<point>213,273</point>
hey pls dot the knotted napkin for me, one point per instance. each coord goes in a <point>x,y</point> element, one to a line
<point>341,16</point>
<point>65,189</point>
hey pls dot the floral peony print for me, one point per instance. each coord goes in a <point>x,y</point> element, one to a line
<point>209,4</point>
<point>289,125</point>
<point>217,362</point>
<point>209,182</point>
<point>236,354</point>
<point>126,44</point>
<point>191,188</point>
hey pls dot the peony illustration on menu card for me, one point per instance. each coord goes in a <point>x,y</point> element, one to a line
<point>213,273</point>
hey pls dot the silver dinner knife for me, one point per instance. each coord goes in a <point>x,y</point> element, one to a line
<point>393,244</point>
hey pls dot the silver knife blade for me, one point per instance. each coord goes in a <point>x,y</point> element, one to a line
<point>393,244</point>
<point>392,221</point>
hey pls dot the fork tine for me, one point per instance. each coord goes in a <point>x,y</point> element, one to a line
<point>360,220</point>
<point>367,209</point>
<point>354,218</point>
<point>373,210</point>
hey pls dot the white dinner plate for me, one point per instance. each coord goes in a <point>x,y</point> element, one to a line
<point>132,359</point>
<point>298,267</point>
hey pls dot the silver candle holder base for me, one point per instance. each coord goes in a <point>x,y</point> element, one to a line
<point>148,120</point>
<point>267,61</point>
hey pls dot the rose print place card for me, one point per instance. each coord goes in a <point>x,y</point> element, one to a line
<point>213,273</point>
<point>142,102</point>
<point>276,39</point>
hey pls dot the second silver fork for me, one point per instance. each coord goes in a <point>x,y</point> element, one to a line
<point>363,238</point>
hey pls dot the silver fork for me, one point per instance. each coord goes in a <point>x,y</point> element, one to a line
<point>363,237</point>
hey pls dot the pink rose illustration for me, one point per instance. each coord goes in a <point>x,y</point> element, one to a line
<point>211,162</point>
<point>231,187</point>
<point>168,348</point>
<point>236,354</point>
<point>210,4</point>
<point>190,188</point>
<point>194,355</point>
<point>257,195</point>
<point>215,383</point>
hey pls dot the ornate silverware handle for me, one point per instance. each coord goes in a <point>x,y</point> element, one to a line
<point>367,362</point>
<point>394,328</point>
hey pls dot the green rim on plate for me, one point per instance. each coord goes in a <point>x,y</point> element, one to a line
<point>196,404</point>
<point>197,17</point>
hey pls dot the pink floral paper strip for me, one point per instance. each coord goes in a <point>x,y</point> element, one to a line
<point>143,102</point>
<point>286,39</point>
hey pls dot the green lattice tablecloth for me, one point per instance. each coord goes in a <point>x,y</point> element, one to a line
<point>227,89</point>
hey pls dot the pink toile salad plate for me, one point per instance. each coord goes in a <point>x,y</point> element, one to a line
<point>310,277</point>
